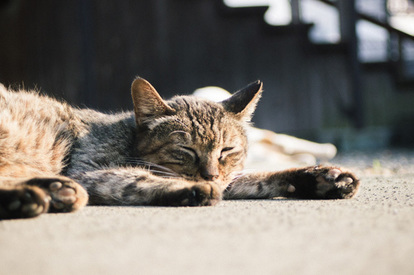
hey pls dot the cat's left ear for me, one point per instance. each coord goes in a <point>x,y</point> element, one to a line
<point>243,103</point>
<point>148,104</point>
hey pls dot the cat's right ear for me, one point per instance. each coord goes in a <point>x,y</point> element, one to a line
<point>148,104</point>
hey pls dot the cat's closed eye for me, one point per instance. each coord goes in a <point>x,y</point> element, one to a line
<point>225,152</point>
<point>226,149</point>
<point>189,152</point>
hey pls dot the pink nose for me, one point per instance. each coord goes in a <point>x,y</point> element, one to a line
<point>209,174</point>
<point>209,177</point>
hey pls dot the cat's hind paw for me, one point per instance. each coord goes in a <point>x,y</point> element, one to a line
<point>23,202</point>
<point>65,194</point>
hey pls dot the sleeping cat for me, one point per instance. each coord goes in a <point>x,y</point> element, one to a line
<point>183,152</point>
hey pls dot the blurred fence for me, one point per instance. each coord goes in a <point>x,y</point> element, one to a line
<point>89,51</point>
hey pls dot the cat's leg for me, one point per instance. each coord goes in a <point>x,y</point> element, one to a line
<point>25,198</point>
<point>316,182</point>
<point>135,186</point>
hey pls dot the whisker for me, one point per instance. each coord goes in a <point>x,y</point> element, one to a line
<point>165,175</point>
<point>153,167</point>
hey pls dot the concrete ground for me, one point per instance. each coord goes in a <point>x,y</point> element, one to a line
<point>370,234</point>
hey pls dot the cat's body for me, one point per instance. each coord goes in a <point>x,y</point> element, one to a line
<point>185,151</point>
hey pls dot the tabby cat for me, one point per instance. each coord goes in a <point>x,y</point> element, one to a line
<point>183,152</point>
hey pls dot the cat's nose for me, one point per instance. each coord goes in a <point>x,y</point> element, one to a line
<point>209,177</point>
<point>209,174</point>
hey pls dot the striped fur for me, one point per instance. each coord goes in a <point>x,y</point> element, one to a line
<point>181,152</point>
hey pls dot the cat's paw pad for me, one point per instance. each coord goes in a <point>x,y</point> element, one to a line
<point>23,202</point>
<point>66,195</point>
<point>333,183</point>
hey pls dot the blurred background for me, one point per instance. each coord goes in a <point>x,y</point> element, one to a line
<point>333,71</point>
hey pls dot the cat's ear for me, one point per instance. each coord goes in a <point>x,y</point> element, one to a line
<point>243,103</point>
<point>148,104</point>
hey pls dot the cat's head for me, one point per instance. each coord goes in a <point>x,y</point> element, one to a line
<point>196,138</point>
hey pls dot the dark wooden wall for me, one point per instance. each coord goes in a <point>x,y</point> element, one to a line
<point>89,51</point>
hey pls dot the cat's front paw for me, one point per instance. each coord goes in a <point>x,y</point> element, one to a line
<point>324,182</point>
<point>65,194</point>
<point>200,194</point>
<point>23,202</point>
<point>204,194</point>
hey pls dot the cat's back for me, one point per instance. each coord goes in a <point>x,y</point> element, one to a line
<point>35,133</point>
<point>23,104</point>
